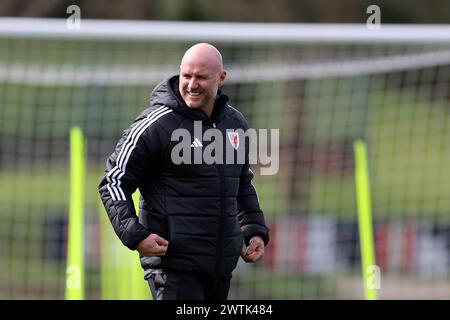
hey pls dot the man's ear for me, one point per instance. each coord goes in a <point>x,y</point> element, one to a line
<point>223,76</point>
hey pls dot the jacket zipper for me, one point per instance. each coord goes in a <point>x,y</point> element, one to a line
<point>222,217</point>
<point>220,227</point>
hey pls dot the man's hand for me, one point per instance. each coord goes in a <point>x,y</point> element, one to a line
<point>153,245</point>
<point>255,250</point>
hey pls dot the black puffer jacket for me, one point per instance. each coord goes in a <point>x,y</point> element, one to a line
<point>205,211</point>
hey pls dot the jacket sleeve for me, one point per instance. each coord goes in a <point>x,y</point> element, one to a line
<point>126,169</point>
<point>250,216</point>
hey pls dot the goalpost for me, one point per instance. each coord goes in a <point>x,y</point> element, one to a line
<point>323,85</point>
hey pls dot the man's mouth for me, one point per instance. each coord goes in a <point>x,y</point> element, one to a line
<point>194,94</point>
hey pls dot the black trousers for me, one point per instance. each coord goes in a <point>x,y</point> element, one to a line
<point>174,285</point>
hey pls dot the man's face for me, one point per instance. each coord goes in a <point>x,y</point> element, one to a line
<point>199,82</point>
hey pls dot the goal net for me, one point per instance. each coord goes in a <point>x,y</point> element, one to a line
<point>322,86</point>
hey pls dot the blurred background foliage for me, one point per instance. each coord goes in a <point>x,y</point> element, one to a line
<point>321,11</point>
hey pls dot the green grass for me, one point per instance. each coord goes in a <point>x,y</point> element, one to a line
<point>81,52</point>
<point>265,285</point>
<point>47,190</point>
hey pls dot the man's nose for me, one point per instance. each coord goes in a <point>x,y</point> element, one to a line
<point>192,83</point>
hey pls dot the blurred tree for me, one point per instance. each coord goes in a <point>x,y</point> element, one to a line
<point>350,11</point>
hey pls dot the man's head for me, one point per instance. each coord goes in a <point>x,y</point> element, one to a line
<point>201,75</point>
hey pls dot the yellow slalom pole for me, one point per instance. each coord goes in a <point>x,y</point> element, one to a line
<point>139,288</point>
<point>107,253</point>
<point>126,263</point>
<point>75,239</point>
<point>122,276</point>
<point>371,282</point>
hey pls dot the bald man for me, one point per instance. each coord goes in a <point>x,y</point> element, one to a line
<point>201,75</point>
<point>195,217</point>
